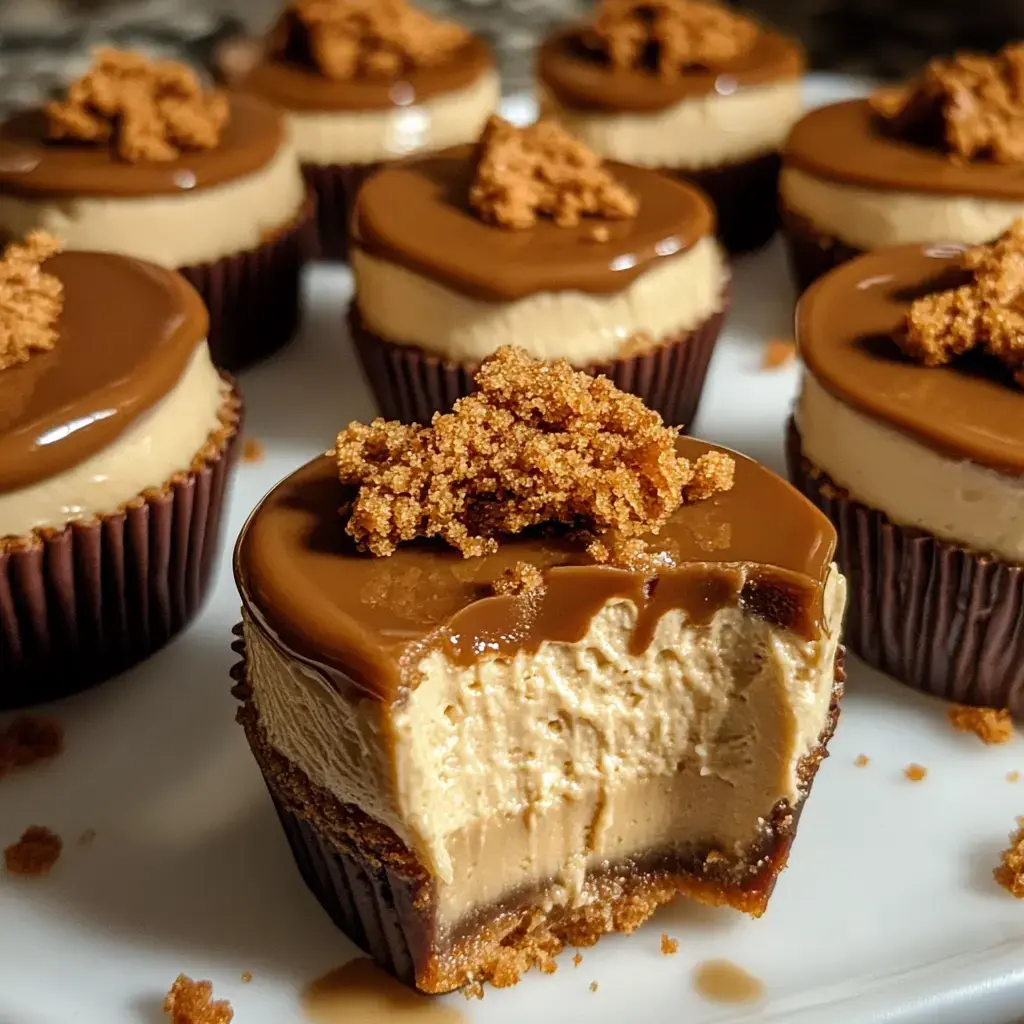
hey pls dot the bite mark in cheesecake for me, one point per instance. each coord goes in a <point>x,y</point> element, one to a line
<point>30,299</point>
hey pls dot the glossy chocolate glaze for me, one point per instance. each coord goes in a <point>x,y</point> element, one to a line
<point>585,81</point>
<point>365,621</point>
<point>843,142</point>
<point>296,86</point>
<point>33,167</point>
<point>125,335</point>
<point>417,214</point>
<point>970,409</point>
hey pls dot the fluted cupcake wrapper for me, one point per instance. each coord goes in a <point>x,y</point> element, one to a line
<point>934,615</point>
<point>411,385</point>
<point>253,296</point>
<point>810,253</point>
<point>335,187</point>
<point>82,603</point>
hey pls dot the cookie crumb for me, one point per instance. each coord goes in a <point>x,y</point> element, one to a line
<point>915,772</point>
<point>34,854</point>
<point>522,174</point>
<point>861,760</point>
<point>521,579</point>
<point>667,36</point>
<point>593,986</point>
<point>29,740</point>
<point>252,450</point>
<point>970,106</point>
<point>669,946</point>
<point>1010,872</point>
<point>30,300</point>
<point>192,1002</point>
<point>246,977</point>
<point>145,110</point>
<point>1013,776</point>
<point>87,838</point>
<point>600,233</point>
<point>778,352</point>
<point>985,313</point>
<point>560,446</point>
<point>577,959</point>
<point>474,990</point>
<point>990,725</point>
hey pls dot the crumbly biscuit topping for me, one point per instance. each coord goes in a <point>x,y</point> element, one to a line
<point>987,313</point>
<point>192,1002</point>
<point>30,300</point>
<point>537,443</point>
<point>970,106</point>
<point>990,725</point>
<point>346,39</point>
<point>541,170</point>
<point>1010,873</point>
<point>523,578</point>
<point>668,36</point>
<point>145,110</point>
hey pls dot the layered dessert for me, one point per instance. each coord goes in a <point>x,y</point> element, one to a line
<point>909,435</point>
<point>939,159</point>
<point>139,158</point>
<point>367,81</point>
<point>552,666</point>
<point>530,239</point>
<point>687,87</point>
<point>116,441</point>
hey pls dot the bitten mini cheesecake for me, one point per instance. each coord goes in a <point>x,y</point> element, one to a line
<point>493,726</point>
<point>366,81</point>
<point>137,158</point>
<point>529,240</point>
<point>685,86</point>
<point>941,159</point>
<point>910,435</point>
<point>116,440</point>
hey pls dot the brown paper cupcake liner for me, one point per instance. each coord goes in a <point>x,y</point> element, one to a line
<point>335,187</point>
<point>810,253</point>
<point>82,603</point>
<point>745,199</point>
<point>410,384</point>
<point>253,296</point>
<point>934,615</point>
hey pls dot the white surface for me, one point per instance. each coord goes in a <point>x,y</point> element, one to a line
<point>887,912</point>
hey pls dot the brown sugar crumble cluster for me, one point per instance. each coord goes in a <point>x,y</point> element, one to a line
<point>987,313</point>
<point>538,443</point>
<point>522,174</point>
<point>34,854</point>
<point>345,39</point>
<point>1010,873</point>
<point>667,36</point>
<point>523,578</point>
<point>970,106</point>
<point>990,725</point>
<point>30,300</point>
<point>144,110</point>
<point>192,1002</point>
<point>27,741</point>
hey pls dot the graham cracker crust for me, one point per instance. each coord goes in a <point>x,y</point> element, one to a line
<point>378,893</point>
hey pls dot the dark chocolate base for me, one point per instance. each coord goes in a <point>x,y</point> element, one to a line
<point>411,385</point>
<point>253,296</point>
<point>82,603</point>
<point>378,893</point>
<point>335,187</point>
<point>809,252</point>
<point>934,615</point>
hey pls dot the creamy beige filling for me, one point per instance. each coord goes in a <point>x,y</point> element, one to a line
<point>370,136</point>
<point>912,484</point>
<point>172,230</point>
<point>678,294</point>
<point>515,772</point>
<point>697,132</point>
<point>157,445</point>
<point>868,219</point>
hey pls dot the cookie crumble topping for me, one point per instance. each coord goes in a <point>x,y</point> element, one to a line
<point>523,578</point>
<point>30,299</point>
<point>192,1002</point>
<point>990,725</point>
<point>1010,872</point>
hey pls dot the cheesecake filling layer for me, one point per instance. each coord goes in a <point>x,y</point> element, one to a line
<point>869,218</point>
<point>371,136</point>
<point>914,485</point>
<point>172,230</point>
<point>513,772</point>
<point>674,295</point>
<point>699,131</point>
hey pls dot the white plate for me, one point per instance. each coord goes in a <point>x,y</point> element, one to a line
<point>887,912</point>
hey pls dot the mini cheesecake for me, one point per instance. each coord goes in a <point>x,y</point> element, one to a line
<point>471,778</point>
<point>907,166</point>
<point>347,120</point>
<point>438,288</point>
<point>232,216</point>
<point>115,448</point>
<point>921,469</point>
<point>714,118</point>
